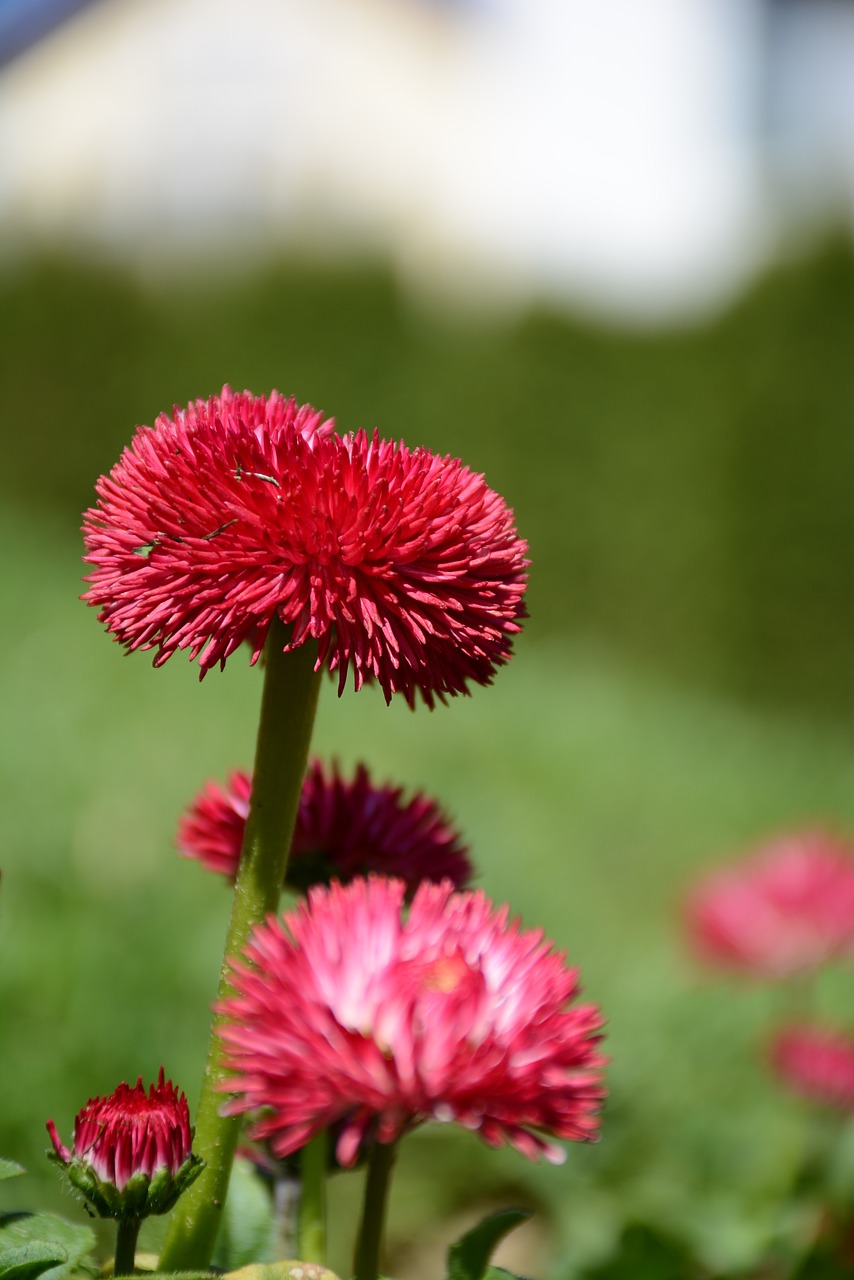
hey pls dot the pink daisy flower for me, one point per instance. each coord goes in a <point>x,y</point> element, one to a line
<point>816,1063</point>
<point>351,1011</point>
<point>132,1152</point>
<point>395,562</point>
<point>344,828</point>
<point>786,909</point>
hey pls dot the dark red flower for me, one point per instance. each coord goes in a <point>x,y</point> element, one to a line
<point>353,1012</point>
<point>398,563</point>
<point>344,828</point>
<point>787,908</point>
<point>132,1152</point>
<point>816,1063</point>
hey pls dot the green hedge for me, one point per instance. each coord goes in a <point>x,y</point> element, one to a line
<point>686,494</point>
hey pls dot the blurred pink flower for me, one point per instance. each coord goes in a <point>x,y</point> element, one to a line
<point>787,908</point>
<point>344,828</point>
<point>132,1152</point>
<point>817,1063</point>
<point>395,562</point>
<point>352,1010</point>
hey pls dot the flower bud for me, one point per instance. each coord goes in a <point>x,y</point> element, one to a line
<point>132,1152</point>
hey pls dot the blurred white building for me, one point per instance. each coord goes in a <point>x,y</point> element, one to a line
<point>808,118</point>
<point>604,152</point>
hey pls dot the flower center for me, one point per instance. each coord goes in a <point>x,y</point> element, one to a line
<point>446,974</point>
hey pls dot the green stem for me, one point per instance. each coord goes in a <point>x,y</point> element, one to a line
<point>312,1217</point>
<point>127,1230</point>
<point>366,1265</point>
<point>288,707</point>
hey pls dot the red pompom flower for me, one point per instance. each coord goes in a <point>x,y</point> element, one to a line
<point>786,909</point>
<point>816,1063</point>
<point>397,563</point>
<point>352,1012</point>
<point>132,1152</point>
<point>344,828</point>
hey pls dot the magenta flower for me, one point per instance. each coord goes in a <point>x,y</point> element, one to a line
<point>132,1152</point>
<point>786,909</point>
<point>352,1011</point>
<point>344,828</point>
<point>211,830</point>
<point>397,563</point>
<point>816,1063</point>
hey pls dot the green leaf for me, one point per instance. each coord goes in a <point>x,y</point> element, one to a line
<point>827,1260</point>
<point>43,1244</point>
<point>10,1169</point>
<point>645,1253</point>
<point>823,1266</point>
<point>179,1275</point>
<point>247,1231</point>
<point>283,1271</point>
<point>468,1259</point>
<point>27,1261</point>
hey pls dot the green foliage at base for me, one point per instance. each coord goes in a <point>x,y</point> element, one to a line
<point>644,1253</point>
<point>246,1232</point>
<point>33,1245</point>
<point>292,1270</point>
<point>468,1258</point>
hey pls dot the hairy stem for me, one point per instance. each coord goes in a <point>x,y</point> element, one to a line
<point>366,1265</point>
<point>312,1218</point>
<point>127,1230</point>
<point>288,707</point>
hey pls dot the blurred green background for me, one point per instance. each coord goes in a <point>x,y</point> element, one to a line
<point>684,688</point>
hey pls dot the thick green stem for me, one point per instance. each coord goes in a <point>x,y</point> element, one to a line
<point>288,706</point>
<point>127,1230</point>
<point>312,1216</point>
<point>366,1265</point>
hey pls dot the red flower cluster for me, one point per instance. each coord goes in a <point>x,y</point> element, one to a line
<point>132,1152</point>
<point>816,1063</point>
<point>786,909</point>
<point>344,828</point>
<point>397,563</point>
<point>352,1012</point>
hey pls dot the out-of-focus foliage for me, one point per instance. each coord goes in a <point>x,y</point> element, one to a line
<point>687,494</point>
<point>686,497</point>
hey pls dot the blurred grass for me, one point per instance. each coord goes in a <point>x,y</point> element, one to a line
<point>682,689</point>
<point>590,793</point>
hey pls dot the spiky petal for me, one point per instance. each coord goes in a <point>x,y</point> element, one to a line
<point>351,1011</point>
<point>132,1151</point>
<point>345,827</point>
<point>397,564</point>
